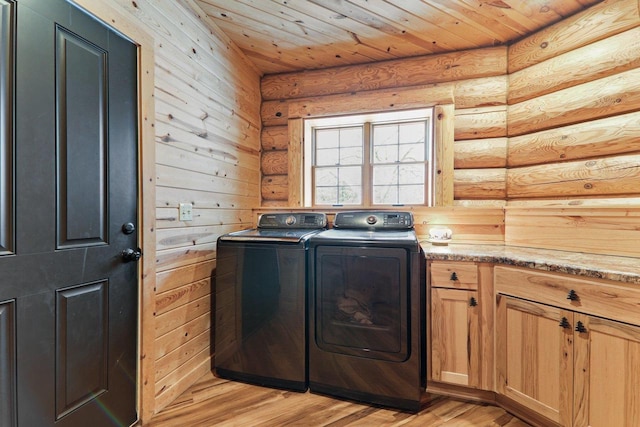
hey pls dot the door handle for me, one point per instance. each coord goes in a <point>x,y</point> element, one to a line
<point>131,254</point>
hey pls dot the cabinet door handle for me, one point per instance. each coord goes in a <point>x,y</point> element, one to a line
<point>573,296</point>
<point>580,327</point>
<point>564,323</point>
<point>473,302</point>
<point>454,277</point>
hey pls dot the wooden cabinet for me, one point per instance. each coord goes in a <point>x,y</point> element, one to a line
<point>460,348</point>
<point>558,355</point>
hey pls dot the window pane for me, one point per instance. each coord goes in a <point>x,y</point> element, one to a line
<point>351,156</point>
<point>385,175</point>
<point>349,195</point>
<point>326,195</point>
<point>327,138</point>
<point>339,185</point>
<point>385,134</point>
<point>328,157</point>
<point>385,194</point>
<point>411,194</point>
<point>351,137</point>
<point>411,174</point>
<point>412,132</point>
<point>326,177</point>
<point>411,152</point>
<point>385,154</point>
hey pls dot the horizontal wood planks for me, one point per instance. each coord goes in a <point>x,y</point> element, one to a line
<point>207,152</point>
<point>599,230</point>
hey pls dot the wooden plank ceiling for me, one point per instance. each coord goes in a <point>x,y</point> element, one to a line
<point>293,35</point>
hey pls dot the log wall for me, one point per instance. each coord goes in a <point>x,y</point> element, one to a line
<point>473,83</point>
<point>552,117</point>
<point>206,97</point>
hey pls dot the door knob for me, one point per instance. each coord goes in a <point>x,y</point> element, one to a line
<point>131,254</point>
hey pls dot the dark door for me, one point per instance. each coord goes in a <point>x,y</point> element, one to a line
<point>68,184</point>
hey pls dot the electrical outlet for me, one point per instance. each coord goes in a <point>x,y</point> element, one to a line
<point>186,212</point>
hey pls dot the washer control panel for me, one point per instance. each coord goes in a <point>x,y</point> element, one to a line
<point>293,220</point>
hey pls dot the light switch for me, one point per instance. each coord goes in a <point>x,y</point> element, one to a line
<point>186,212</point>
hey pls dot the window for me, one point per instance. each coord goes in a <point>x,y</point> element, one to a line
<point>369,160</point>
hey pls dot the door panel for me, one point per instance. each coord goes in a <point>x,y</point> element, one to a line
<point>81,353</point>
<point>74,185</point>
<point>7,148</point>
<point>82,126</point>
<point>7,364</point>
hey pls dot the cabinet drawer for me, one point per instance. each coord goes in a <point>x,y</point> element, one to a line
<point>590,296</point>
<point>454,275</point>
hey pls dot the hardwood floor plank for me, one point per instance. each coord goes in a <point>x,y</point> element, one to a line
<point>217,402</point>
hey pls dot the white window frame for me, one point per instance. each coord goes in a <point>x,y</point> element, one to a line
<point>359,120</point>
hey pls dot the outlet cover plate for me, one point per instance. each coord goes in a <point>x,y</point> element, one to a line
<point>186,212</point>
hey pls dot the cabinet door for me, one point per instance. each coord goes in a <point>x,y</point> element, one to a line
<point>607,373</point>
<point>455,337</point>
<point>534,357</point>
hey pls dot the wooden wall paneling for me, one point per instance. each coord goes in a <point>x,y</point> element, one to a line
<point>439,68</point>
<point>168,196</point>
<point>608,96</point>
<point>480,92</point>
<point>192,157</point>
<point>173,319</point>
<point>173,360</point>
<point>484,122</point>
<point>598,22</point>
<point>295,158</point>
<point>182,256</point>
<point>205,113</point>
<point>606,57</point>
<point>169,217</point>
<point>609,176</point>
<point>489,183</point>
<point>167,389</point>
<point>275,187</point>
<point>171,238</point>
<point>481,153</point>
<point>274,138</point>
<point>468,225</point>
<point>597,230</point>
<point>179,178</point>
<point>373,101</point>
<point>171,279</point>
<point>592,139</point>
<point>274,162</point>
<point>208,145</point>
<point>444,156</point>
<point>182,335</point>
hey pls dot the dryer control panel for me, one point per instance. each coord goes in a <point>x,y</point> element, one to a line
<point>374,220</point>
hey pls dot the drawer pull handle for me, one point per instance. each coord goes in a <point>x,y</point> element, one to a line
<point>454,277</point>
<point>573,296</point>
<point>473,302</point>
<point>564,323</point>
<point>580,327</point>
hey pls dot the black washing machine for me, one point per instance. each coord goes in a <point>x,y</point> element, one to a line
<point>366,310</point>
<point>260,301</point>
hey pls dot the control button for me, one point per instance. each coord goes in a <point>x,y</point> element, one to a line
<point>290,220</point>
<point>371,219</point>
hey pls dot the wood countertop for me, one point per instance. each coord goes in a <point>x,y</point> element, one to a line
<point>620,269</point>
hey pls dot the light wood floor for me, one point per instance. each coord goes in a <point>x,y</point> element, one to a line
<point>217,402</point>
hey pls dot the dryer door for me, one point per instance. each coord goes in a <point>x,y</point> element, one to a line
<point>361,300</point>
